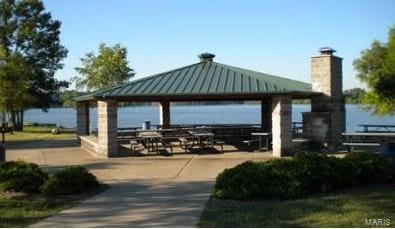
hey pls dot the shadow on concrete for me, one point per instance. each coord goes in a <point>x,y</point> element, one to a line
<point>139,203</point>
<point>125,151</point>
<point>98,165</point>
<point>42,144</point>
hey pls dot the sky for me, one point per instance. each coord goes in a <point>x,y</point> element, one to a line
<point>272,36</point>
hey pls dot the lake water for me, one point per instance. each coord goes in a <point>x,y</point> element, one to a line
<point>212,114</point>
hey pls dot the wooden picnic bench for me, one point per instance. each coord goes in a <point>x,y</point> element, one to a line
<point>366,139</point>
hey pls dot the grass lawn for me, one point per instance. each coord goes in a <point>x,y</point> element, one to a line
<point>348,208</point>
<point>21,210</point>
<point>36,133</point>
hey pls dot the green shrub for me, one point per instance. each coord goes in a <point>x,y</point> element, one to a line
<point>238,182</point>
<point>252,180</point>
<point>280,179</point>
<point>370,167</point>
<point>71,180</point>
<point>305,174</point>
<point>20,176</point>
<point>320,173</point>
<point>314,171</point>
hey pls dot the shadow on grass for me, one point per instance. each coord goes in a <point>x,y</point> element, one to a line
<point>21,210</point>
<point>42,144</point>
<point>98,165</point>
<point>348,208</point>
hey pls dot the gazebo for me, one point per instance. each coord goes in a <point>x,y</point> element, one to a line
<point>211,81</point>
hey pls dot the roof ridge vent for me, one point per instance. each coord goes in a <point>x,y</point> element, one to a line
<point>206,57</point>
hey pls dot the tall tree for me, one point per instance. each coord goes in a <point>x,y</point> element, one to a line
<point>30,54</point>
<point>67,98</point>
<point>376,68</point>
<point>354,95</point>
<point>107,69</point>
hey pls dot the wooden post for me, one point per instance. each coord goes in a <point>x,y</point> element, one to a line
<point>164,114</point>
<point>266,116</point>
<point>82,118</point>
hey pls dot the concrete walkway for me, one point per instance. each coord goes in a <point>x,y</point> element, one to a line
<point>152,191</point>
<point>138,203</point>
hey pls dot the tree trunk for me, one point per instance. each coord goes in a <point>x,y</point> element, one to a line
<point>19,122</point>
<point>22,113</point>
<point>3,114</point>
<point>13,118</point>
<point>17,119</point>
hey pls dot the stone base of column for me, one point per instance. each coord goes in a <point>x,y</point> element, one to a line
<point>281,125</point>
<point>107,128</point>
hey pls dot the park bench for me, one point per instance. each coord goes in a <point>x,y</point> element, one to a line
<point>371,128</point>
<point>351,145</point>
<point>366,139</point>
<point>250,142</point>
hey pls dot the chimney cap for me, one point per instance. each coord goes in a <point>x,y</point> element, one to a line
<point>327,50</point>
<point>206,57</point>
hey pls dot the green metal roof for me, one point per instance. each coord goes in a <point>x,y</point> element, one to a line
<point>203,78</point>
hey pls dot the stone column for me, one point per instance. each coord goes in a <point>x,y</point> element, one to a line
<point>164,114</point>
<point>266,115</point>
<point>281,125</point>
<point>107,128</point>
<point>82,118</point>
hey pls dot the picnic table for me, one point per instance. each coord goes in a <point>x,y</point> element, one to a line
<point>373,139</point>
<point>150,140</point>
<point>262,136</point>
<point>204,137</point>
<point>377,128</point>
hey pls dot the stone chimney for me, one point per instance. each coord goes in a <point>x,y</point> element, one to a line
<point>326,74</point>
<point>326,121</point>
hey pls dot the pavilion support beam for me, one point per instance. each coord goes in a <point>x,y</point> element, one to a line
<point>107,128</point>
<point>164,114</point>
<point>82,118</point>
<point>281,125</point>
<point>266,116</point>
